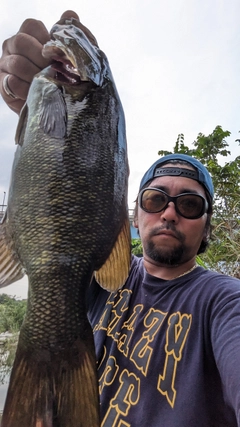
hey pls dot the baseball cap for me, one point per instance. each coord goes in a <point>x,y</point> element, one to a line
<point>200,173</point>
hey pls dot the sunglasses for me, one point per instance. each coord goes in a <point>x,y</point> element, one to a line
<point>188,205</point>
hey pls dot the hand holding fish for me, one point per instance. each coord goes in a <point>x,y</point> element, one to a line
<point>22,58</point>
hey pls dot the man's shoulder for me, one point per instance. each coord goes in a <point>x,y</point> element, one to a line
<point>215,276</point>
<point>216,286</point>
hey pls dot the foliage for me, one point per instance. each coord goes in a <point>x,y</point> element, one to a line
<point>137,247</point>
<point>8,347</point>
<point>223,254</point>
<point>12,312</point>
<point>137,250</point>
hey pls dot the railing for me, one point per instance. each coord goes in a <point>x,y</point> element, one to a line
<point>134,234</point>
<point>2,211</point>
<point>3,207</point>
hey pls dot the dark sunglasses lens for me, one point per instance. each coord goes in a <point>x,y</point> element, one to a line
<point>153,200</point>
<point>191,206</point>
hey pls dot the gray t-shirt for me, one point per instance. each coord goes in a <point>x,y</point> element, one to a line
<point>168,352</point>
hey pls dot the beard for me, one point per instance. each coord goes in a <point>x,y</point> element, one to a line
<point>164,255</point>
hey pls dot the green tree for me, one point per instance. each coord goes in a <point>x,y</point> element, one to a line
<point>12,313</point>
<point>137,247</point>
<point>223,254</point>
<point>8,346</point>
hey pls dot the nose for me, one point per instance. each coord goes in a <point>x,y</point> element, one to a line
<point>170,214</point>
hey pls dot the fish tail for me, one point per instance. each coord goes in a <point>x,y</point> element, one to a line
<point>53,391</point>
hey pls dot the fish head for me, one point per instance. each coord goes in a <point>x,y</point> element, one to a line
<point>75,58</point>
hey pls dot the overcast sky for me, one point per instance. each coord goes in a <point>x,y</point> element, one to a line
<point>176,65</point>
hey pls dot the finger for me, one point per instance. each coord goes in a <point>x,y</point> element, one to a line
<point>16,85</point>
<point>24,46</point>
<point>15,104</point>
<point>70,14</point>
<point>21,72</point>
<point>36,29</point>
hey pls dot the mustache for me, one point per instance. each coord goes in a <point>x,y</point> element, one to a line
<point>169,227</point>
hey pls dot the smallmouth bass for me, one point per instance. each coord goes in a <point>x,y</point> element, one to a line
<point>66,221</point>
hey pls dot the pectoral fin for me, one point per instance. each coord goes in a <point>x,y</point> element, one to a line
<point>114,273</point>
<point>53,114</point>
<point>11,269</point>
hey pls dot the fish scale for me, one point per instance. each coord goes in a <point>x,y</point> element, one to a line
<point>66,221</point>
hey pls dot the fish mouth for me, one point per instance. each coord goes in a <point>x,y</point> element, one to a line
<point>65,72</point>
<point>61,68</point>
<point>73,58</point>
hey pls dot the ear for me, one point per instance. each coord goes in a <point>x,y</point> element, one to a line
<point>205,234</point>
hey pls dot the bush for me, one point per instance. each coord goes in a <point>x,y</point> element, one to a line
<point>12,312</point>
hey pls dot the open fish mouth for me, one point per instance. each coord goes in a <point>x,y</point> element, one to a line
<point>65,72</point>
<point>62,68</point>
<point>73,59</point>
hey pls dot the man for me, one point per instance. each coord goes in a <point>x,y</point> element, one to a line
<point>168,342</point>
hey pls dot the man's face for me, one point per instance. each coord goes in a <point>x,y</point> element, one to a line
<point>167,237</point>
